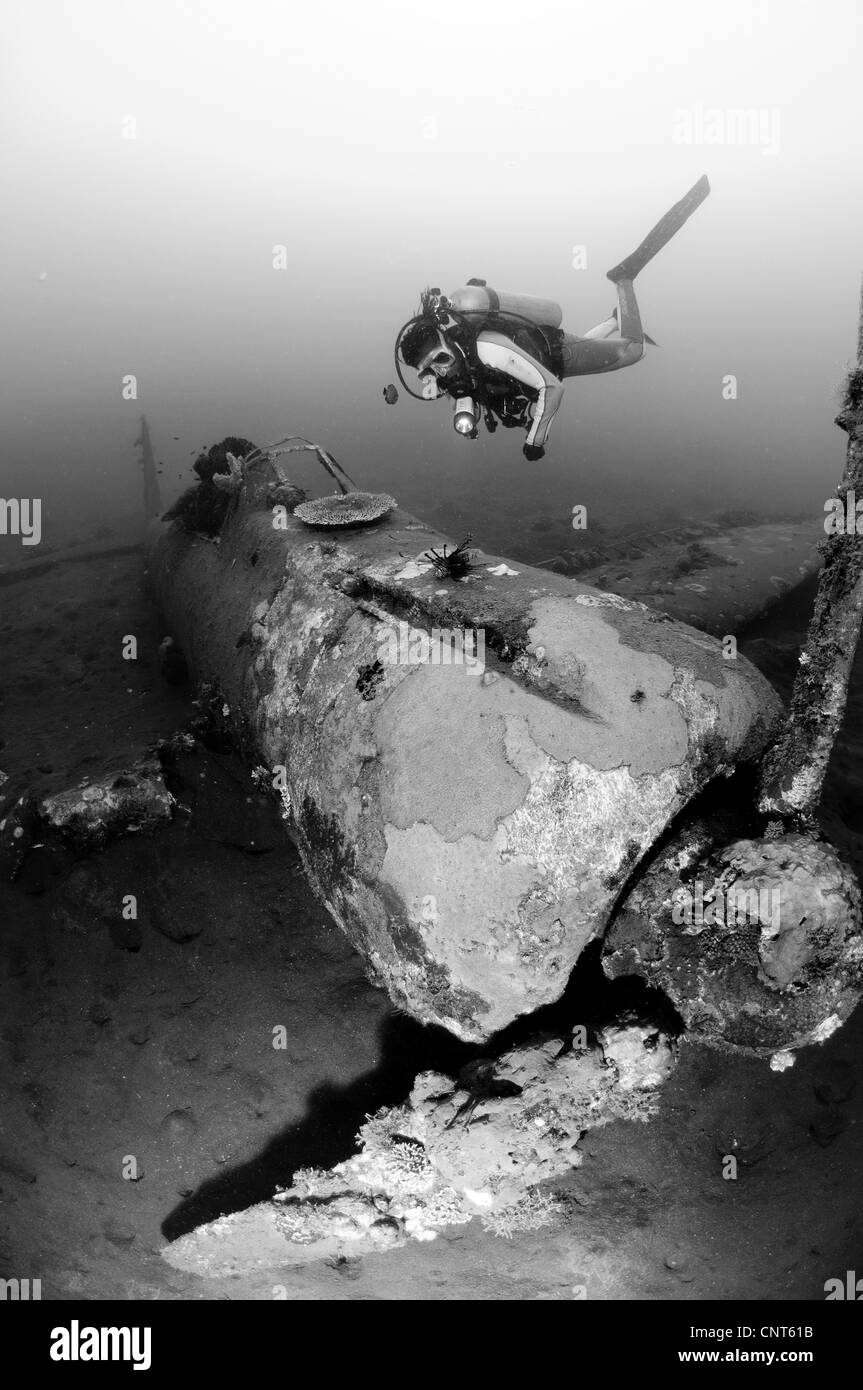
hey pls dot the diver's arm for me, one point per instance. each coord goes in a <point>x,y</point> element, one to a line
<point>495,350</point>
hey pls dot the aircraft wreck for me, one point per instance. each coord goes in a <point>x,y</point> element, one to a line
<point>473,824</point>
<point>469,831</point>
<point>485,767</point>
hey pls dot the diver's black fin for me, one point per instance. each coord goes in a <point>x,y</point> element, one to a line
<point>662,232</point>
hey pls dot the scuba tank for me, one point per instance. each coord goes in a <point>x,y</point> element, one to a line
<point>476,298</point>
<point>531,322</point>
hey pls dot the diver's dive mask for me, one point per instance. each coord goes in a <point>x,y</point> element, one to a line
<point>434,367</point>
<point>440,359</point>
<point>444,368</point>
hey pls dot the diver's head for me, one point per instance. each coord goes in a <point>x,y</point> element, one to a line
<point>425,348</point>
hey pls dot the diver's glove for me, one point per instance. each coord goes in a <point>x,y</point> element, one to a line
<point>531,453</point>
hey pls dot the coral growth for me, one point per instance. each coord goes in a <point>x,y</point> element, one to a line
<point>477,1146</point>
<point>232,481</point>
<point>758,947</point>
<point>87,815</point>
<point>216,459</point>
<point>347,509</point>
<point>529,1213</point>
<point>202,509</point>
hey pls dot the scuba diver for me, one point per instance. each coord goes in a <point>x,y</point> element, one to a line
<point>503,357</point>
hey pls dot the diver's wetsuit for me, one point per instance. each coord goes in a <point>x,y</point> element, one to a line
<point>501,354</point>
<point>615,343</point>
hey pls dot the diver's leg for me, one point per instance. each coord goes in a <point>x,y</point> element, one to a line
<point>616,343</point>
<point>612,345</point>
<point>631,330</point>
